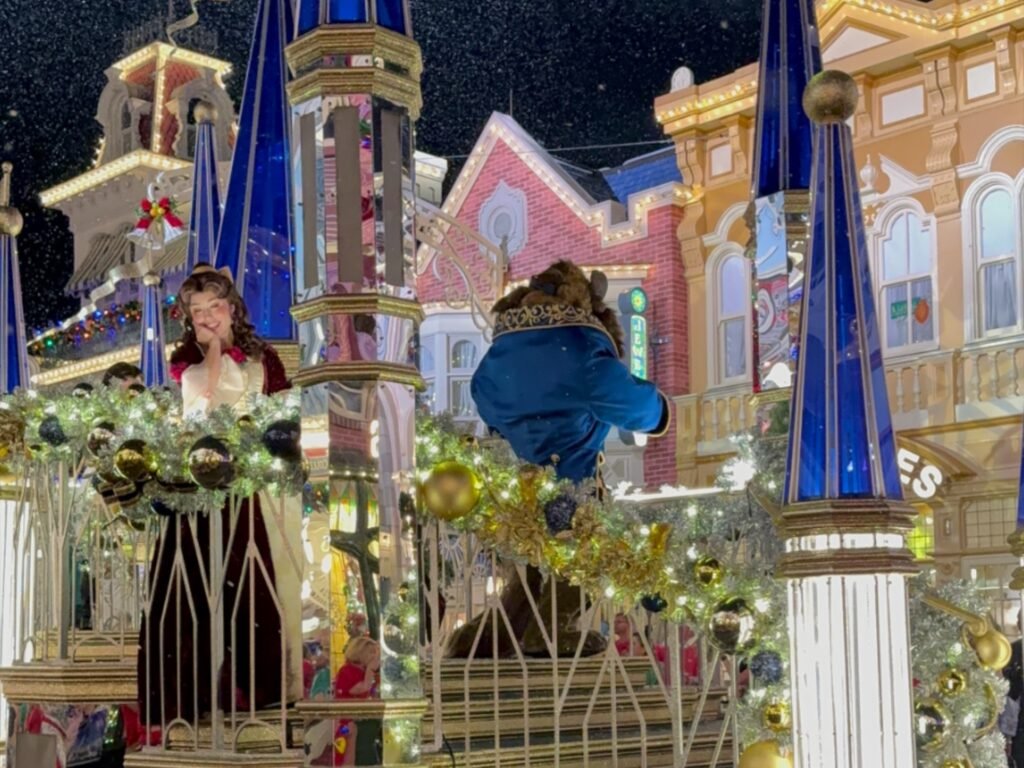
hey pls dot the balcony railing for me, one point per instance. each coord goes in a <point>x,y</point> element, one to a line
<point>946,386</point>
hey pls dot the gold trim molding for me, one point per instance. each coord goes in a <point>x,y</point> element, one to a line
<point>375,372</point>
<point>368,39</point>
<point>358,304</point>
<point>70,682</point>
<point>148,758</point>
<point>395,88</point>
<point>363,709</point>
<point>848,562</point>
<point>843,516</point>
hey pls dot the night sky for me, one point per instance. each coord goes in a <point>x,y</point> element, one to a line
<point>576,72</point>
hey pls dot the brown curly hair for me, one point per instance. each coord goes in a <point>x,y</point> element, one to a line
<point>204,279</point>
<point>565,283</point>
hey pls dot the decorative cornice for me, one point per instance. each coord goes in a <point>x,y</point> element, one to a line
<point>374,372</point>
<point>357,304</point>
<point>352,39</point>
<point>159,50</point>
<point>845,516</point>
<point>327,82</point>
<point>140,158</point>
<point>57,683</point>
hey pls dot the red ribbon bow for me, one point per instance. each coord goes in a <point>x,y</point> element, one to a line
<point>161,209</point>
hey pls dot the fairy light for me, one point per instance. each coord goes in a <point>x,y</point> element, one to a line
<point>140,158</point>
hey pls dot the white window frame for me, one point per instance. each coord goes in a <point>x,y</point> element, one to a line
<point>131,131</point>
<point>715,332</point>
<point>884,223</point>
<point>454,374</point>
<point>974,288</point>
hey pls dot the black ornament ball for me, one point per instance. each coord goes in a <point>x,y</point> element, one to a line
<point>135,390</point>
<point>766,667</point>
<point>134,461</point>
<point>51,431</point>
<point>281,439</point>
<point>654,603</point>
<point>82,390</point>
<point>210,463</point>
<point>100,438</point>
<point>558,513</point>
<point>161,508</point>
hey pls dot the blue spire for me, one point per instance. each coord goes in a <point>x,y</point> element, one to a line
<point>13,346</point>
<point>256,232</point>
<point>204,217</point>
<point>790,57</point>
<point>154,363</point>
<point>390,14</point>
<point>841,438</point>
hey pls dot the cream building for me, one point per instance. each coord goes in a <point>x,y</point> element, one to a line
<point>939,133</point>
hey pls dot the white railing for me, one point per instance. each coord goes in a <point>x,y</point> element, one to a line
<point>523,670</point>
<point>938,387</point>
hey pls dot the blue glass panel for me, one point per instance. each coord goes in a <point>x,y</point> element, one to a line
<point>256,235</point>
<point>154,365</point>
<point>391,15</point>
<point>854,448</point>
<point>204,215</point>
<point>347,11</point>
<point>808,462</point>
<point>885,453</point>
<point>308,14</point>
<point>14,358</point>
<point>769,133</point>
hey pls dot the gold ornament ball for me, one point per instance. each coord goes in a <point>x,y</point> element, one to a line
<point>134,461</point>
<point>830,97</point>
<point>11,222</point>
<point>707,571</point>
<point>12,432</point>
<point>776,717</point>
<point>204,112</point>
<point>931,724</point>
<point>991,647</point>
<point>952,682</point>
<point>764,754</point>
<point>452,491</point>
<point>731,627</point>
<point>955,763</point>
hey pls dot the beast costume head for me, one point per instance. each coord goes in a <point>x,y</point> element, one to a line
<point>552,383</point>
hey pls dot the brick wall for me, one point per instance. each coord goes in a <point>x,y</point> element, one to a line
<point>555,232</point>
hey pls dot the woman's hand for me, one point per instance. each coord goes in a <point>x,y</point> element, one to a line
<point>207,337</point>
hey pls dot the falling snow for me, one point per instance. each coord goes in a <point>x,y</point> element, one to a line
<point>573,72</point>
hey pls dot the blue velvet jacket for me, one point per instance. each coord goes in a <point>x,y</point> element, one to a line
<point>553,386</point>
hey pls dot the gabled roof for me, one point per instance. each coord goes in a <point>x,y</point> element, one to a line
<point>595,201</point>
<point>642,173</point>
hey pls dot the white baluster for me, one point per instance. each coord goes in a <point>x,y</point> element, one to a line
<point>1015,372</point>
<point>917,387</point>
<point>899,390</point>
<point>975,378</point>
<point>714,419</point>
<point>728,416</point>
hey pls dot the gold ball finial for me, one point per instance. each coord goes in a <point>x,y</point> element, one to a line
<point>204,112</point>
<point>830,97</point>
<point>10,221</point>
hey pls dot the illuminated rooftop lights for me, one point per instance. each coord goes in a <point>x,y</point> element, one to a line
<point>159,50</point>
<point>140,158</point>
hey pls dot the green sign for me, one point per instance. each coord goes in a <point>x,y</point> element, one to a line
<point>638,346</point>
<point>897,310</point>
<point>638,300</point>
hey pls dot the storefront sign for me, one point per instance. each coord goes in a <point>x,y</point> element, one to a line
<point>638,346</point>
<point>922,478</point>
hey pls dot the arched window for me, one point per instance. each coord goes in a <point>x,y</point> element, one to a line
<point>463,356</point>
<point>127,129</point>
<point>731,323</point>
<point>904,278</point>
<point>997,250</point>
